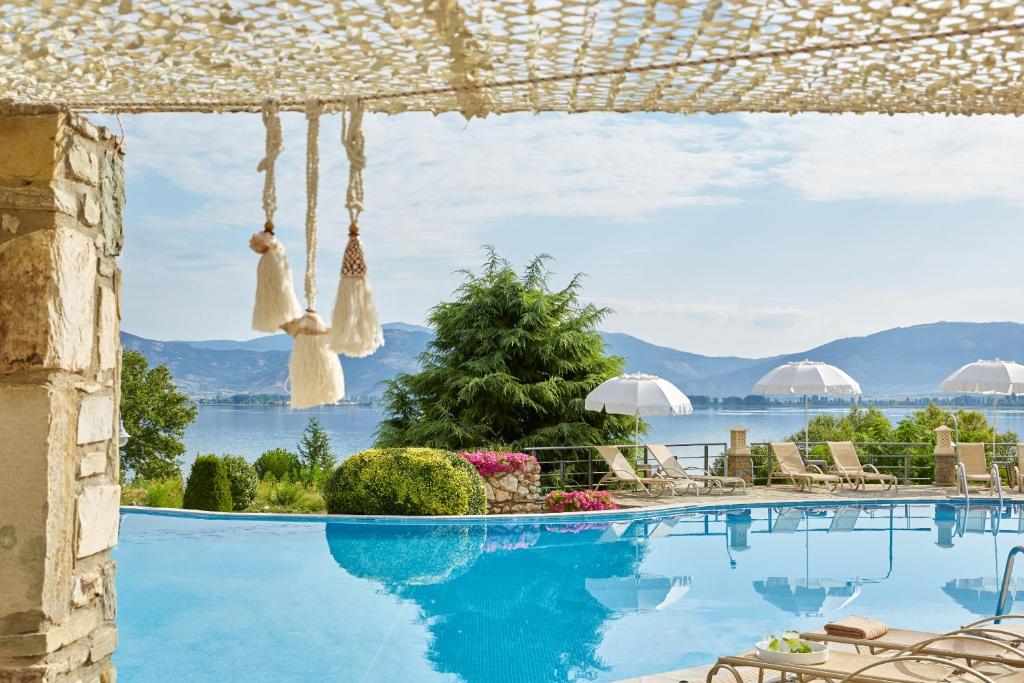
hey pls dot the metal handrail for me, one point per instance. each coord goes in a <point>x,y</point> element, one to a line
<point>997,482</point>
<point>1004,591</point>
<point>961,480</point>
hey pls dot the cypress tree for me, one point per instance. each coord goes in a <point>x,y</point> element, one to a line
<point>511,363</point>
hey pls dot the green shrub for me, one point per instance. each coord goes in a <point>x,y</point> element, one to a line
<point>154,493</point>
<point>405,481</point>
<point>242,479</point>
<point>278,462</point>
<point>207,487</point>
<point>287,496</point>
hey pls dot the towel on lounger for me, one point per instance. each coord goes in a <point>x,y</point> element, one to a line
<point>857,627</point>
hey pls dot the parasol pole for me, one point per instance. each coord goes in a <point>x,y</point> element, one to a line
<point>807,429</point>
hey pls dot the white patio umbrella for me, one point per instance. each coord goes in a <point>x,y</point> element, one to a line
<point>809,378</point>
<point>995,377</point>
<point>638,395</point>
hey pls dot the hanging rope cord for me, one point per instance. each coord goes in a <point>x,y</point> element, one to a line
<point>313,111</point>
<point>355,148</point>
<point>274,147</point>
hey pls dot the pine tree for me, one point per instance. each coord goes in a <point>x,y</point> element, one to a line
<point>315,448</point>
<point>511,363</point>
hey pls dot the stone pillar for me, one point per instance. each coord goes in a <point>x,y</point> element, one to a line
<point>61,200</point>
<point>738,461</point>
<point>945,457</point>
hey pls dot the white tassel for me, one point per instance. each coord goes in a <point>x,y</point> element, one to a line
<point>276,302</point>
<point>313,369</point>
<point>355,328</point>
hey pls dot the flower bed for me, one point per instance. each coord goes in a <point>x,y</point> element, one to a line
<point>491,462</point>
<point>512,480</point>
<point>579,501</point>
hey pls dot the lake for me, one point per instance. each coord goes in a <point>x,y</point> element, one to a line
<point>250,430</point>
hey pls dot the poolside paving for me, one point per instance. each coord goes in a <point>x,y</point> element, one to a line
<point>781,495</point>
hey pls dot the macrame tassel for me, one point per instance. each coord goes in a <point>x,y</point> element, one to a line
<point>314,370</point>
<point>355,329</point>
<point>275,295</point>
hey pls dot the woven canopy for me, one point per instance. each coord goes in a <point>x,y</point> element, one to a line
<point>481,57</point>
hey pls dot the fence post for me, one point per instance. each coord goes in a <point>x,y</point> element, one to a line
<point>906,469</point>
<point>590,469</point>
<point>706,463</point>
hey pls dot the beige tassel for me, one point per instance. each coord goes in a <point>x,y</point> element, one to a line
<point>314,370</point>
<point>275,294</point>
<point>355,329</point>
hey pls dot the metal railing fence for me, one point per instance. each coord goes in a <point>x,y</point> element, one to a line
<point>580,467</point>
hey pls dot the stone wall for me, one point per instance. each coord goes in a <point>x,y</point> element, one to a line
<point>517,491</point>
<point>61,201</point>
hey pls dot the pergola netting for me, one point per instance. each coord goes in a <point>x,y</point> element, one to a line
<point>481,57</point>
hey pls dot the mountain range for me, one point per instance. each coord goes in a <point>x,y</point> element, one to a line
<point>904,361</point>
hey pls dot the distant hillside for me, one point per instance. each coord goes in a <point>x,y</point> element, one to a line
<point>900,362</point>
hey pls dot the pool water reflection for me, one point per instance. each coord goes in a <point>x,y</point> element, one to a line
<point>255,600</point>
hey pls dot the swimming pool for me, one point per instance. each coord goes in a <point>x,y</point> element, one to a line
<point>271,600</point>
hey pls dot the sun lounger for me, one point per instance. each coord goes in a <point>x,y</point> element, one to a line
<point>848,466</point>
<point>981,644</point>
<point>789,462</point>
<point>859,668</point>
<point>1019,468</point>
<point>972,457</point>
<point>845,520</point>
<point>671,469</point>
<point>621,472</point>
<point>788,520</point>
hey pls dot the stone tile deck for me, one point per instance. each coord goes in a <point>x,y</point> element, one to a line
<point>787,494</point>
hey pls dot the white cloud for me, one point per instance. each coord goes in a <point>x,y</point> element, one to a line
<point>906,158</point>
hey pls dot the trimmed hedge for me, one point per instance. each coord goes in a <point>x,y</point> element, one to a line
<point>207,487</point>
<point>405,481</point>
<point>278,462</point>
<point>242,480</point>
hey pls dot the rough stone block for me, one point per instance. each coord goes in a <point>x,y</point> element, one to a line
<point>28,147</point>
<point>87,588</point>
<point>83,164</point>
<point>104,643</point>
<point>96,419</point>
<point>108,329</point>
<point>36,508</point>
<point>9,223</point>
<point>98,517</point>
<point>112,203</point>
<point>92,464</point>
<point>89,211</point>
<point>47,301</point>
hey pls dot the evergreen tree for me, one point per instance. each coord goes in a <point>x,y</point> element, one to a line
<point>315,448</point>
<point>511,362</point>
<point>155,414</point>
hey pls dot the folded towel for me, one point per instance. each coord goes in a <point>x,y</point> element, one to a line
<point>857,627</point>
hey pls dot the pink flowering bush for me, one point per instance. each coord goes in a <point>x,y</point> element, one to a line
<point>490,462</point>
<point>579,501</point>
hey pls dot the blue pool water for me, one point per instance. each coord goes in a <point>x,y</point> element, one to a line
<point>272,600</point>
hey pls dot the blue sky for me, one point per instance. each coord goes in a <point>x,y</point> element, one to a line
<point>747,235</point>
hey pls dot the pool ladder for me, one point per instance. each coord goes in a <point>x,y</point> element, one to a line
<point>961,481</point>
<point>1004,591</point>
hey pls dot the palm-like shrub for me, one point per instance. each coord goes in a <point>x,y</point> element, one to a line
<point>405,481</point>
<point>208,487</point>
